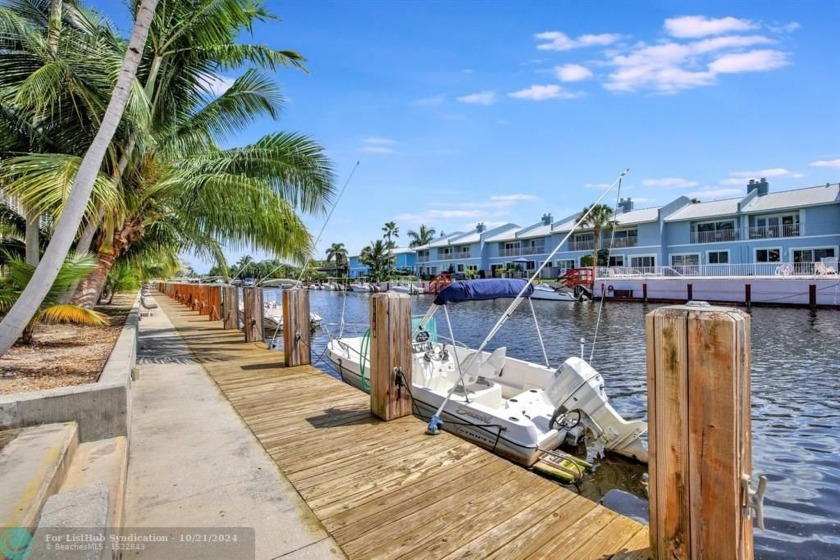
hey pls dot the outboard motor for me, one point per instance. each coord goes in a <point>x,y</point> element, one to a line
<point>578,387</point>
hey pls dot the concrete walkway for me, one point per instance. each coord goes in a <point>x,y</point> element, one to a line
<point>194,463</point>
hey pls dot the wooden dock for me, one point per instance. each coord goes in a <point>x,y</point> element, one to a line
<point>386,489</point>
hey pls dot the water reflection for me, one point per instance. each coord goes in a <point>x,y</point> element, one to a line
<point>795,400</point>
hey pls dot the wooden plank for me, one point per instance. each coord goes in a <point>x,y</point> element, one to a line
<point>636,548</point>
<point>385,489</point>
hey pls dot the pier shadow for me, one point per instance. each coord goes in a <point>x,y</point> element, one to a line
<point>351,415</point>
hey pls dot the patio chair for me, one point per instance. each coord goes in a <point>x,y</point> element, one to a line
<point>822,269</point>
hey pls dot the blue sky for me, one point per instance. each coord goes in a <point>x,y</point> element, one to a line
<point>461,112</point>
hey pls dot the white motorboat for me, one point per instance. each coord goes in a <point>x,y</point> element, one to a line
<point>517,409</point>
<point>273,317</point>
<point>546,292</point>
<point>360,287</point>
<point>406,289</point>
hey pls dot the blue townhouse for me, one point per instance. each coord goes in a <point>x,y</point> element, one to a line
<point>758,233</point>
<point>405,258</point>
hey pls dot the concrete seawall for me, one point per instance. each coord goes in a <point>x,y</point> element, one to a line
<point>102,409</point>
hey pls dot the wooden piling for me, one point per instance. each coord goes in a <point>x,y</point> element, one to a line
<point>690,289</point>
<point>699,432</point>
<point>812,296</point>
<point>644,292</point>
<point>390,352</point>
<point>296,328</point>
<point>748,296</point>
<point>230,307</point>
<point>252,312</point>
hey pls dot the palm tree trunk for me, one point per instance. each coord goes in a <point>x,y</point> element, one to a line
<point>54,31</point>
<point>88,290</point>
<point>30,300</point>
<point>32,237</point>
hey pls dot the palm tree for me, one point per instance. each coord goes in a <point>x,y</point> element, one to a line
<point>422,237</point>
<point>338,252</point>
<point>49,310</point>
<point>598,217</point>
<point>378,258</point>
<point>43,278</point>
<point>391,230</point>
<point>169,179</point>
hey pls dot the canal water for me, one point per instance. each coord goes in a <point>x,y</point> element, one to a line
<point>795,400</point>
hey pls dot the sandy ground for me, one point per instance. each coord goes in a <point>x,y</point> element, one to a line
<point>61,354</point>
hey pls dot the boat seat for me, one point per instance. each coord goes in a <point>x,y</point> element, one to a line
<point>488,368</point>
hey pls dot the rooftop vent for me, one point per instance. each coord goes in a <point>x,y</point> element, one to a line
<point>480,227</point>
<point>546,219</point>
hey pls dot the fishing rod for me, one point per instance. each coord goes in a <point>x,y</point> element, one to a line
<point>435,422</point>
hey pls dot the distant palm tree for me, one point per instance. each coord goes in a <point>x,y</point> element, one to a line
<point>379,259</point>
<point>391,230</point>
<point>600,216</point>
<point>422,237</point>
<point>338,252</point>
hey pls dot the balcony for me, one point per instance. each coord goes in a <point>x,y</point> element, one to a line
<point>454,256</point>
<point>581,245</point>
<point>719,236</point>
<point>512,252</point>
<point>421,260</point>
<point>770,232</point>
<point>620,242</point>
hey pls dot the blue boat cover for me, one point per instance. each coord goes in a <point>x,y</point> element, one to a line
<point>477,290</point>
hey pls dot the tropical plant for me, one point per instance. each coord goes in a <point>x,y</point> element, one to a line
<point>43,279</point>
<point>423,236</point>
<point>49,310</point>
<point>379,260</point>
<point>169,176</point>
<point>391,230</point>
<point>338,253</point>
<point>597,217</point>
<point>122,278</point>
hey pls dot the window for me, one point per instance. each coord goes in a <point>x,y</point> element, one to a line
<point>564,264</point>
<point>768,255</point>
<point>460,268</point>
<point>530,265</point>
<point>685,260</point>
<point>717,257</point>
<point>782,225</point>
<point>812,255</point>
<point>617,260</point>
<point>472,268</point>
<point>640,262</point>
<point>712,232</point>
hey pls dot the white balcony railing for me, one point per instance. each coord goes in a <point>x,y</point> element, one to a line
<point>771,232</point>
<point>719,236</point>
<point>775,269</point>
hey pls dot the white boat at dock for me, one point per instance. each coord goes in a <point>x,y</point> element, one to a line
<point>546,292</point>
<point>517,409</point>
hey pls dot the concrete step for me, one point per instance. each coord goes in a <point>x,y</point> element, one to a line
<point>33,468</point>
<point>103,462</point>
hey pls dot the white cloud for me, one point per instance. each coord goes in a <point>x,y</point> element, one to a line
<point>572,73</point>
<point>558,41</point>
<point>599,186</point>
<point>670,183</point>
<point>732,182</point>
<point>543,92</point>
<point>216,84</point>
<point>772,172</point>
<point>701,26</point>
<point>376,145</point>
<point>510,199</point>
<point>826,163</point>
<point>479,98</point>
<point>431,101</point>
<point>752,61</point>
<point>379,141</point>
<point>432,215</point>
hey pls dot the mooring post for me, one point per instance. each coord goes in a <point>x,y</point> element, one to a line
<point>296,345</point>
<point>252,314</point>
<point>230,307</point>
<point>698,364</point>
<point>690,290</point>
<point>812,296</point>
<point>390,355</point>
<point>748,296</point>
<point>644,292</point>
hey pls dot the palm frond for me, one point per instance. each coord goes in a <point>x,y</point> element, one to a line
<point>74,314</point>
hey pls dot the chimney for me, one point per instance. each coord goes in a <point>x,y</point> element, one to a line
<point>761,185</point>
<point>480,227</point>
<point>625,205</point>
<point>546,219</point>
